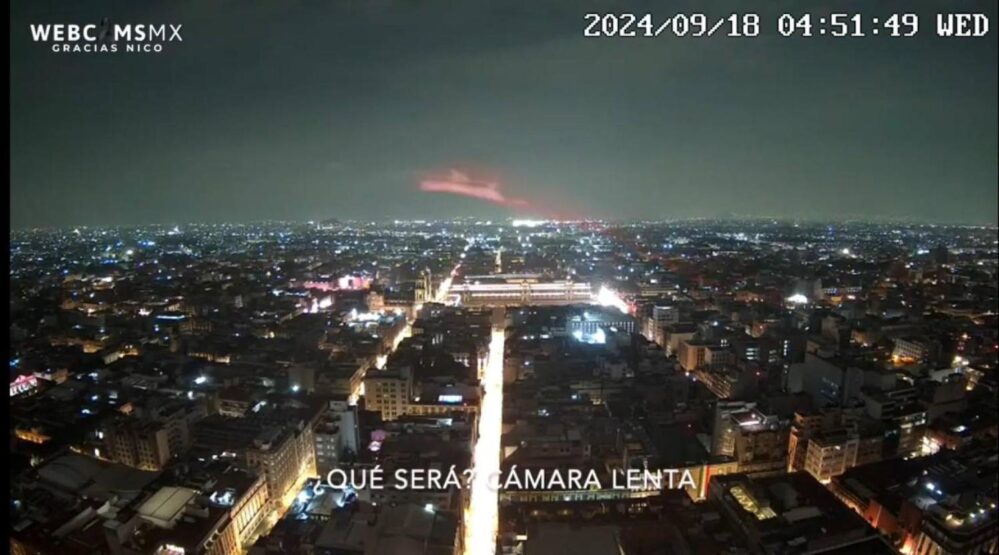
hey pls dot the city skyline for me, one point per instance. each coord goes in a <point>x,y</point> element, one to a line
<point>309,112</point>
<point>522,222</point>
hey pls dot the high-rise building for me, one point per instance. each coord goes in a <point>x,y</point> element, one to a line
<point>830,454</point>
<point>135,442</point>
<point>281,448</point>
<point>756,440</point>
<point>387,392</point>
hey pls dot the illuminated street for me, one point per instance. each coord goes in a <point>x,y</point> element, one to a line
<point>481,520</point>
<point>281,505</point>
<point>305,474</point>
<point>439,296</point>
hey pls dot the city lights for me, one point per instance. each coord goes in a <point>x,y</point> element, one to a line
<point>607,297</point>
<point>797,298</point>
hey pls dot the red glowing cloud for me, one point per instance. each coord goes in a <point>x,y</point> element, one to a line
<point>458,183</point>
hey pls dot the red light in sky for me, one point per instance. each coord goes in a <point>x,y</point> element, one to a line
<point>458,183</point>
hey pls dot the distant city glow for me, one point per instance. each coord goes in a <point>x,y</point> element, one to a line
<point>528,223</point>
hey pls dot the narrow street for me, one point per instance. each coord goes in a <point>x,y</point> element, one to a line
<point>482,519</point>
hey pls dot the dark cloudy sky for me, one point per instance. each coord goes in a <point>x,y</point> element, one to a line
<point>308,110</point>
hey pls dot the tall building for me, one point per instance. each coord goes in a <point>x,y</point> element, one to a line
<point>135,442</point>
<point>832,453</point>
<point>387,392</point>
<point>655,324</point>
<point>178,418</point>
<point>692,354</point>
<point>809,424</point>
<point>756,440</point>
<point>281,448</point>
<point>336,432</point>
<point>914,350</point>
<point>722,436</point>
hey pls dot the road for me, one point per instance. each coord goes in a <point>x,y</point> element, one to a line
<point>482,517</point>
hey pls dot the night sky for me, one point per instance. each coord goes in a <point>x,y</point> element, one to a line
<point>315,110</point>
